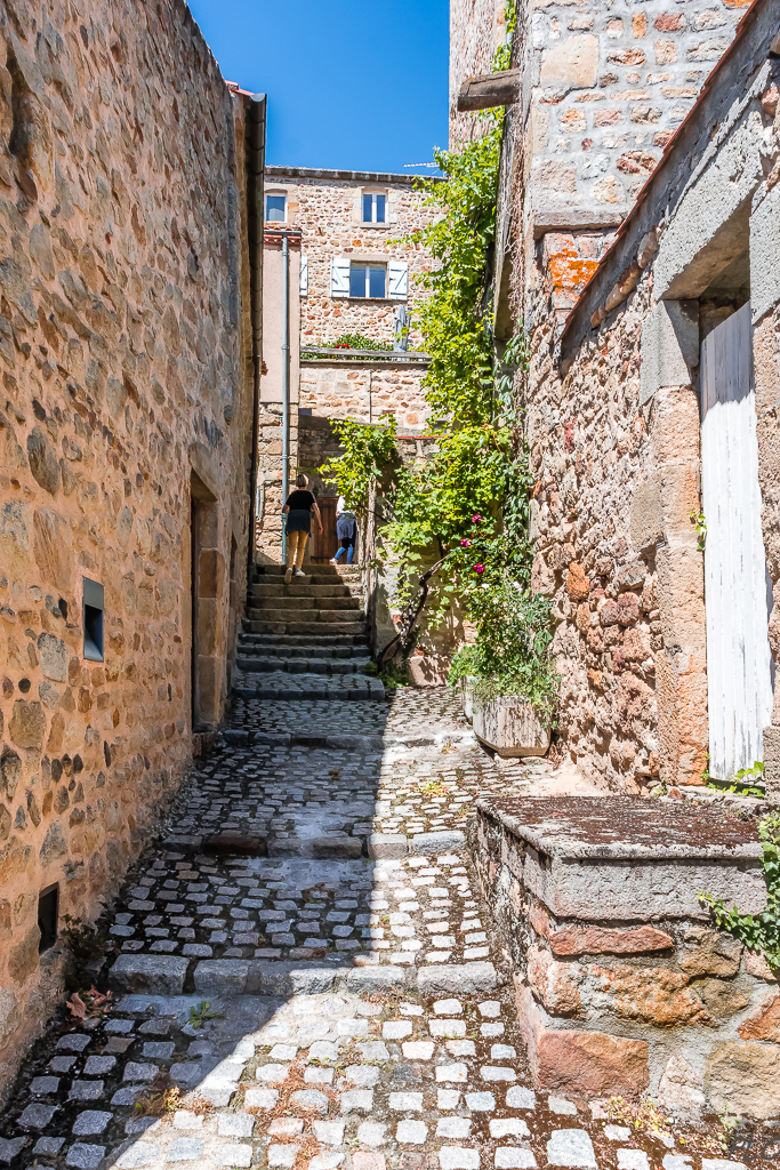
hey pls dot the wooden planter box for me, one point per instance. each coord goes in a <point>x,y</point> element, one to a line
<point>508,725</point>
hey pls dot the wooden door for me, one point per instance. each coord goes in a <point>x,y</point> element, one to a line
<point>323,547</point>
<point>737,586</point>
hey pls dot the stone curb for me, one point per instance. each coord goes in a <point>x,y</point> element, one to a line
<point>238,737</point>
<point>228,978</point>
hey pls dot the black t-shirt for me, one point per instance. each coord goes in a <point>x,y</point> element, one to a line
<point>300,500</point>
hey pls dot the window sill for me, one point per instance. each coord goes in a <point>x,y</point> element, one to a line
<point>372,300</point>
<point>377,226</point>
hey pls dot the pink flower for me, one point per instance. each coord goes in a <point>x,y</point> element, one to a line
<point>479,569</point>
<point>465,543</point>
<point>476,519</point>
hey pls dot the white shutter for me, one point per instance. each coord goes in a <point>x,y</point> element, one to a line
<point>304,279</point>
<point>398,280</point>
<point>339,277</point>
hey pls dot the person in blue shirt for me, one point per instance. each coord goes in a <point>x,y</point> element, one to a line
<point>346,531</point>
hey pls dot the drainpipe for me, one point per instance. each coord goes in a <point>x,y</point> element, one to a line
<point>285,381</point>
<point>255,164</point>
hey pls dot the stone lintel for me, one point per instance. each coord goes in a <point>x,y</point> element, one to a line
<point>623,859</point>
<point>764,251</point>
<point>575,219</point>
<point>670,347</point>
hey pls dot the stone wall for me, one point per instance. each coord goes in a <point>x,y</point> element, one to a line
<point>604,87</point>
<point>324,220</point>
<point>126,393</point>
<point>364,391</point>
<point>477,30</point>
<point>327,210</point>
<point>614,432</point>
<point>623,985</point>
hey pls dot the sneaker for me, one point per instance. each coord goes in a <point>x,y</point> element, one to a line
<point>299,573</point>
<point>288,576</point>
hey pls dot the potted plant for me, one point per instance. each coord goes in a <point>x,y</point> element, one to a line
<point>508,683</point>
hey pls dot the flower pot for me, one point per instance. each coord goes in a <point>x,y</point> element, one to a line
<point>510,726</point>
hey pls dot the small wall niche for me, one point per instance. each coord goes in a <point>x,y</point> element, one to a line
<point>48,917</point>
<point>92,619</point>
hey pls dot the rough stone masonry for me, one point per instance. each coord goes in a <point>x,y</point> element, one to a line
<point>125,389</point>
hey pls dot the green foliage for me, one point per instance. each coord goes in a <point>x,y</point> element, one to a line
<point>359,341</point>
<point>455,320</point>
<point>741,785</point>
<point>466,506</point>
<point>201,1013</point>
<point>369,453</point>
<point>758,932</point>
<point>700,521</point>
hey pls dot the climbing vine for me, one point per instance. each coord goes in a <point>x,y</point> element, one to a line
<point>758,932</point>
<point>465,508</point>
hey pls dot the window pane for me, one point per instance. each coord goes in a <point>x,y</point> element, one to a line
<point>380,208</point>
<point>275,208</point>
<point>376,287</point>
<point>357,280</point>
<point>368,207</point>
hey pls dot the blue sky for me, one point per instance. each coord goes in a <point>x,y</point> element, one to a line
<point>350,84</point>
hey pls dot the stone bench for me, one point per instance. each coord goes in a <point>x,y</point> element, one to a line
<point>623,985</point>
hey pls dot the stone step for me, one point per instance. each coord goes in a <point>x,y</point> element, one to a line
<point>291,601</point>
<point>281,685</point>
<point>142,974</point>
<point>315,574</point>
<point>304,630</point>
<point>255,645</point>
<point>313,644</point>
<point>309,665</point>
<point>261,592</point>
<point>283,614</point>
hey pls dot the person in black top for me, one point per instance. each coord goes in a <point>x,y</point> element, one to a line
<point>298,510</point>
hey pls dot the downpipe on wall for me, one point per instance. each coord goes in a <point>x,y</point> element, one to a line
<point>285,383</point>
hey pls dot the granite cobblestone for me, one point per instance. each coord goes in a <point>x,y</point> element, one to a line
<point>358,1014</point>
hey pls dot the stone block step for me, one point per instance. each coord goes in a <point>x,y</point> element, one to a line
<point>306,642</point>
<point>282,686</point>
<point>292,601</point>
<point>282,613</point>
<point>260,593</point>
<point>269,647</point>
<point>140,975</point>
<point>315,575</point>
<point>305,629</point>
<point>329,666</point>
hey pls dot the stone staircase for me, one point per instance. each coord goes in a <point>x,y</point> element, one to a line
<point>308,639</point>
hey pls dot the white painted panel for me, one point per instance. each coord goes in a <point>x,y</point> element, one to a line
<point>339,277</point>
<point>398,280</point>
<point>739,663</point>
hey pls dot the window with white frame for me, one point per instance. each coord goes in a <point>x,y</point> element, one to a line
<point>368,280</point>
<point>374,208</point>
<point>275,208</point>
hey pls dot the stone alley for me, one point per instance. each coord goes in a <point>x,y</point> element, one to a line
<point>302,972</point>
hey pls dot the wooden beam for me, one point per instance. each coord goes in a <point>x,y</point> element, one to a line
<point>489,90</point>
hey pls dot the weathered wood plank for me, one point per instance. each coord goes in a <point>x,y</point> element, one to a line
<point>489,90</point>
<point>739,661</point>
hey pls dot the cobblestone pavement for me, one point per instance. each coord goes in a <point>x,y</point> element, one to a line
<point>303,977</point>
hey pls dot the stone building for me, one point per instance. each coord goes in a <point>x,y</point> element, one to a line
<point>349,271</point>
<point>128,347</point>
<point>641,482</point>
